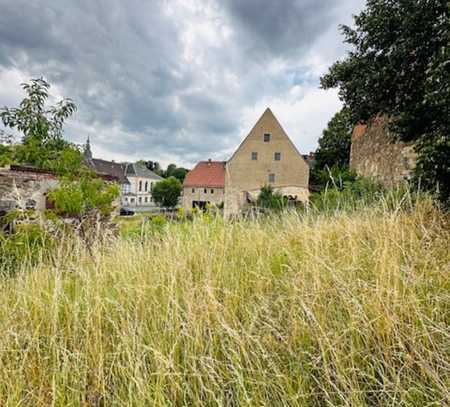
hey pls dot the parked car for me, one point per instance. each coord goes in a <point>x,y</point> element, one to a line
<point>126,212</point>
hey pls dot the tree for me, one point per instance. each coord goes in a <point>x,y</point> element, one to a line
<point>180,173</point>
<point>154,166</point>
<point>167,192</point>
<point>334,145</point>
<point>399,66</point>
<point>270,199</point>
<point>333,154</point>
<point>80,195</point>
<point>42,127</point>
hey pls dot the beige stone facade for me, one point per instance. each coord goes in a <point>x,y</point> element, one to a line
<point>192,195</point>
<point>267,156</point>
<point>375,153</point>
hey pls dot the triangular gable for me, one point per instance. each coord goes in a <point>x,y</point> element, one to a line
<point>270,116</point>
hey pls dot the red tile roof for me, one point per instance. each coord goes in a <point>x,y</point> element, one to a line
<point>206,174</point>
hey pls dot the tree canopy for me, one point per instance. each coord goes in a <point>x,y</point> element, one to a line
<point>42,144</point>
<point>332,157</point>
<point>167,192</point>
<point>334,145</point>
<point>400,66</point>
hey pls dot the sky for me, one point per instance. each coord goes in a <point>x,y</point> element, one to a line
<point>176,80</point>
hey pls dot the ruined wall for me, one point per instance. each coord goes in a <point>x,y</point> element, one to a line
<point>24,190</point>
<point>375,155</point>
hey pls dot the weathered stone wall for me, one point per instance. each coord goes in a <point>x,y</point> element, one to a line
<point>25,190</point>
<point>375,155</point>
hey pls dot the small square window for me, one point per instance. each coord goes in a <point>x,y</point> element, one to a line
<point>193,190</point>
<point>267,137</point>
<point>277,156</point>
<point>254,155</point>
<point>212,191</point>
<point>271,178</point>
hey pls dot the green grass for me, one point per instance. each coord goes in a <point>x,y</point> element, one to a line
<point>349,308</point>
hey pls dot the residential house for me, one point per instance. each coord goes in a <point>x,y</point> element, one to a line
<point>267,156</point>
<point>135,179</point>
<point>137,191</point>
<point>204,185</point>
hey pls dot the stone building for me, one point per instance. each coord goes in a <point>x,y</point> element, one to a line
<point>375,153</point>
<point>266,156</point>
<point>204,184</point>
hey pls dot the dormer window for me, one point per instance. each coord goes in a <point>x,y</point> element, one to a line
<point>267,137</point>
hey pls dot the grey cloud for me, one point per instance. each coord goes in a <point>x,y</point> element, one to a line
<point>280,27</point>
<point>122,62</point>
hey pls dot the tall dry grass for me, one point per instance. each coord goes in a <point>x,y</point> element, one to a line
<point>343,309</point>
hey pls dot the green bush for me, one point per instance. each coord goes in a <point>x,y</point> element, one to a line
<point>29,245</point>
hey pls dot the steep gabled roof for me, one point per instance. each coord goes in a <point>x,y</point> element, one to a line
<point>268,114</point>
<point>140,170</point>
<point>108,168</point>
<point>206,174</point>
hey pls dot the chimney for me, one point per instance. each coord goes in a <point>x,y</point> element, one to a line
<point>209,161</point>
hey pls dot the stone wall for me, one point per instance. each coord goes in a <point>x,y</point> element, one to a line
<point>375,154</point>
<point>24,190</point>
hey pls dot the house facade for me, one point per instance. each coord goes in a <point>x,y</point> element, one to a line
<point>137,190</point>
<point>204,185</point>
<point>267,156</point>
<point>136,181</point>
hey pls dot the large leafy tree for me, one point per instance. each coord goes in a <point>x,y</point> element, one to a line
<point>400,66</point>
<point>334,145</point>
<point>178,172</point>
<point>167,192</point>
<point>41,126</point>
<point>80,194</point>
<point>333,154</point>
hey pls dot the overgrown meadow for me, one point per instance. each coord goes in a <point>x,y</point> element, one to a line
<point>345,306</point>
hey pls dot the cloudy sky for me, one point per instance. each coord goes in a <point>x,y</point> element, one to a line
<point>176,80</point>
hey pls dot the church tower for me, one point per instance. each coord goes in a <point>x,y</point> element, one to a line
<point>87,150</point>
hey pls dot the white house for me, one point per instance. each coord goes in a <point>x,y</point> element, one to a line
<point>137,191</point>
<point>135,179</point>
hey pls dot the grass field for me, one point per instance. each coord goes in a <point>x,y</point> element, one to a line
<point>351,308</point>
